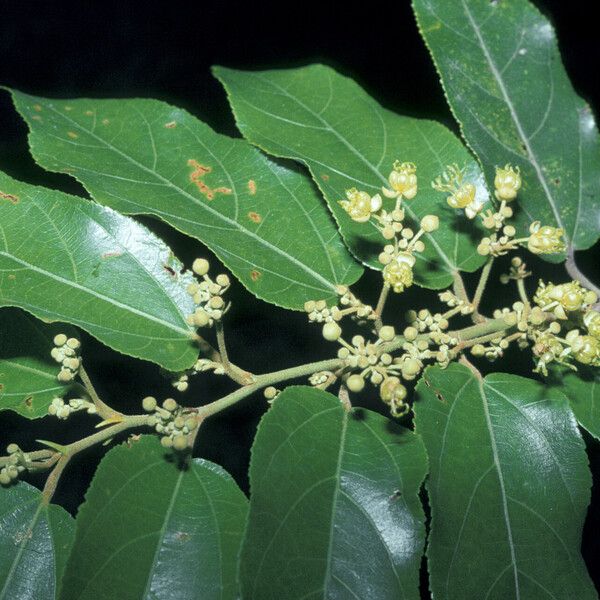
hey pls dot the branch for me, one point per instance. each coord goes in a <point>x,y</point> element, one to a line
<point>105,411</point>
<point>235,373</point>
<point>380,306</point>
<point>485,273</point>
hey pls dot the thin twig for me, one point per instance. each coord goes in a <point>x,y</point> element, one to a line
<point>344,397</point>
<point>380,306</point>
<point>483,279</point>
<point>105,411</point>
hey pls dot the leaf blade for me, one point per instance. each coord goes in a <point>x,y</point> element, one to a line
<point>346,139</point>
<point>63,258</point>
<point>36,538</point>
<point>508,467</point>
<point>325,519</point>
<point>184,529</point>
<point>263,220</point>
<point>556,146</point>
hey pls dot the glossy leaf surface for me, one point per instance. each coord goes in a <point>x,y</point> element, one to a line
<point>34,544</point>
<point>63,258</point>
<point>264,220</point>
<point>151,530</point>
<point>509,487</point>
<point>334,511</point>
<point>347,140</point>
<point>583,391</point>
<point>505,82</point>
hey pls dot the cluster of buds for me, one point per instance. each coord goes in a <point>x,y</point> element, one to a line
<point>207,295</point>
<point>453,301</point>
<point>173,422</point>
<point>397,257</point>
<point>350,305</point>
<point>321,379</point>
<point>17,463</point>
<point>463,194</point>
<point>545,239</point>
<point>62,410</point>
<point>205,364</point>
<point>65,352</point>
<point>518,270</point>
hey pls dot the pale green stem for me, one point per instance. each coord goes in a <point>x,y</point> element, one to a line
<point>380,306</point>
<point>483,279</point>
<point>105,411</point>
<point>235,373</point>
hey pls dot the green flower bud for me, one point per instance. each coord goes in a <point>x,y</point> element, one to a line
<point>60,339</point>
<point>331,331</point>
<point>200,266</point>
<point>170,404</point>
<point>355,383</point>
<point>387,333</point>
<point>180,443</point>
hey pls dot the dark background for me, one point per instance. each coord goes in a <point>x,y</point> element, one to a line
<point>164,50</point>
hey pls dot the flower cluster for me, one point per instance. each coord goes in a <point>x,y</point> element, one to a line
<point>398,256</point>
<point>207,295</point>
<point>18,462</point>
<point>65,353</point>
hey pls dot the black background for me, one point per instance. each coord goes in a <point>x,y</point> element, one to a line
<point>165,50</point>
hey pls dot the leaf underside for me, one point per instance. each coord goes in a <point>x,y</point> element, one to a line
<point>63,258</point>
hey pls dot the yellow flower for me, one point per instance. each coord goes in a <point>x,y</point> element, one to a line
<point>398,273</point>
<point>592,321</point>
<point>463,195</point>
<point>586,350</point>
<point>545,240</point>
<point>563,298</point>
<point>507,183</point>
<point>403,181</point>
<point>360,205</point>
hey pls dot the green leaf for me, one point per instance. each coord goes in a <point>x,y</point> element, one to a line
<point>508,488</point>
<point>334,511</point>
<point>502,73</point>
<point>262,219</point>
<point>35,539</point>
<point>347,140</point>
<point>149,529</point>
<point>583,391</point>
<point>28,380</point>
<point>63,258</point>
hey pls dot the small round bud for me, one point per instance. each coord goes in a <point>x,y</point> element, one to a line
<point>355,383</point>
<point>65,376</point>
<point>343,353</point>
<point>509,230</point>
<point>331,331</point>
<point>309,306</point>
<point>201,318</point>
<point>149,403</point>
<point>166,442</point>
<point>477,350</point>
<point>387,333</point>
<point>5,478</point>
<point>60,339</point>
<point>12,448</point>
<point>223,280</point>
<point>73,343</point>
<point>191,423</point>
<point>270,392</point>
<point>430,223</point>
<point>169,404</point>
<point>200,266</point>
<point>411,333</point>
<point>216,302</point>
<point>180,443</point>
<point>179,422</point>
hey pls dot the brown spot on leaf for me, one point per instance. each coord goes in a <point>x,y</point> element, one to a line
<point>182,536</point>
<point>28,402</point>
<point>254,216</point>
<point>68,108</point>
<point>169,270</point>
<point>255,275</point>
<point>252,187</point>
<point>89,113</point>
<point>171,125</point>
<point>12,277</point>
<point>72,135</point>
<point>324,177</point>
<point>197,178</point>
<point>113,254</point>
<point>37,108</point>
<point>105,121</point>
<point>1,387</point>
<point>10,197</point>
<point>36,118</point>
